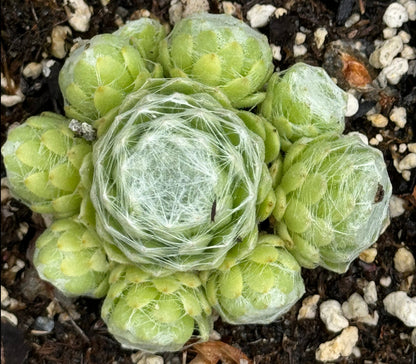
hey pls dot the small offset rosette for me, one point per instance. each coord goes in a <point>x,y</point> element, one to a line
<point>71,257</point>
<point>332,201</point>
<point>219,50</point>
<point>258,288</point>
<point>43,159</point>
<point>303,101</point>
<point>156,314</point>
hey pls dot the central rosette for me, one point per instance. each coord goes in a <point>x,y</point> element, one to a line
<point>175,182</point>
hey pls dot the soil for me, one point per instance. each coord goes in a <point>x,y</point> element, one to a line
<point>76,333</point>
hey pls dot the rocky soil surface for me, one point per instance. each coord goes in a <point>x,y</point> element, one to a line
<point>367,315</point>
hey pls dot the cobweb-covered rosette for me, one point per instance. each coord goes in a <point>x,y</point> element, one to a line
<point>71,257</point>
<point>303,101</point>
<point>43,159</point>
<point>98,75</point>
<point>256,289</point>
<point>219,50</point>
<point>332,201</point>
<point>176,181</point>
<point>156,314</point>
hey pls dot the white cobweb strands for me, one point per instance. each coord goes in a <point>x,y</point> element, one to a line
<point>168,180</point>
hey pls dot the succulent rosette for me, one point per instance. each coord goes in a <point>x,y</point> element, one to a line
<point>332,200</point>
<point>177,179</point>
<point>219,50</point>
<point>303,101</point>
<point>258,288</point>
<point>144,34</point>
<point>43,159</point>
<point>156,314</point>
<point>71,257</point>
<point>98,75</point>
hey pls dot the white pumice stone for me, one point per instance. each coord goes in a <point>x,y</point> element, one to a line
<point>331,315</point>
<point>379,137</point>
<point>374,141</point>
<point>402,148</point>
<point>320,35</point>
<point>11,100</point>
<point>59,34</point>
<point>259,15</point>
<point>404,261</point>
<point>398,116</point>
<point>299,50</point>
<point>352,105</point>
<point>355,307</point>
<point>342,345</point>
<point>370,293</point>
<point>396,206</point>
<point>408,52</point>
<point>408,162</point>
<point>400,305</point>
<point>370,319</point>
<point>353,19</point>
<point>411,9</point>
<point>384,54</point>
<point>195,6</point>
<point>378,120</point>
<point>395,71</point>
<point>228,7</point>
<point>395,15</point>
<point>411,147</point>
<point>406,175</point>
<point>405,36</point>
<point>32,70</point>
<point>389,32</point>
<point>413,337</point>
<point>309,307</point>
<point>385,281</point>
<point>368,255</point>
<point>280,12</point>
<point>276,51</point>
<point>79,15</point>
<point>300,38</point>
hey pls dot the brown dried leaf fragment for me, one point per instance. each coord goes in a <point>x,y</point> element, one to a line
<point>212,352</point>
<point>355,73</point>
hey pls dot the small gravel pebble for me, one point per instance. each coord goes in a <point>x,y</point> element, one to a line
<point>352,105</point>
<point>11,100</point>
<point>399,304</point>
<point>404,261</point>
<point>300,38</point>
<point>405,36</point>
<point>353,19</point>
<point>411,147</point>
<point>368,255</point>
<point>378,120</point>
<point>44,324</point>
<point>276,51</point>
<point>342,345</point>
<point>59,34</point>
<point>413,337</point>
<point>32,70</point>
<point>408,52</point>
<point>398,116</point>
<point>385,281</point>
<point>331,315</point>
<point>395,71</point>
<point>408,162</point>
<point>320,35</point>
<point>228,7</point>
<point>389,32</point>
<point>79,15</point>
<point>309,307</point>
<point>195,6</point>
<point>396,206</point>
<point>259,15</point>
<point>299,50</point>
<point>395,15</point>
<point>370,293</point>
<point>10,317</point>
<point>411,9</point>
<point>355,307</point>
<point>383,56</point>
<point>280,12</point>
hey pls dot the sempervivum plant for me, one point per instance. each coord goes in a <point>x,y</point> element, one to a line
<point>260,287</point>
<point>71,257</point>
<point>156,314</point>
<point>303,101</point>
<point>43,158</point>
<point>219,50</point>
<point>332,201</point>
<point>176,179</point>
<point>100,73</point>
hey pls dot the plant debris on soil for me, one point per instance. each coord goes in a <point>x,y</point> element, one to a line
<point>39,325</point>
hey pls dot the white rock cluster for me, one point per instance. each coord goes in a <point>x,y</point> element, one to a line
<point>342,345</point>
